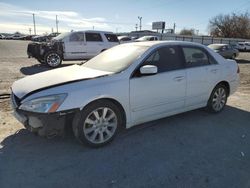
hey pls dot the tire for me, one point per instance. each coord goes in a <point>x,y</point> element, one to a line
<point>98,123</point>
<point>233,56</point>
<point>53,59</point>
<point>218,99</point>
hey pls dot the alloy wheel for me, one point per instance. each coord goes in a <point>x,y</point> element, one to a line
<point>219,99</point>
<point>100,125</point>
<point>53,59</point>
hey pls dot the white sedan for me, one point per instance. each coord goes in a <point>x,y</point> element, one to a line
<point>124,86</point>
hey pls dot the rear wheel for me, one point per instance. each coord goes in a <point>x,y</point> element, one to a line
<point>53,59</point>
<point>218,99</point>
<point>98,123</point>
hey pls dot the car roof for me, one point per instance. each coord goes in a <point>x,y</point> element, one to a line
<point>219,44</point>
<point>162,43</point>
<point>95,31</point>
<point>120,37</point>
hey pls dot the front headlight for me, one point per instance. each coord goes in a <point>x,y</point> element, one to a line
<point>44,104</point>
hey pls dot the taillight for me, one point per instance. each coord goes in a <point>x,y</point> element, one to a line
<point>238,70</point>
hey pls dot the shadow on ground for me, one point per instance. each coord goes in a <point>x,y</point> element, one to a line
<point>242,61</point>
<point>37,68</point>
<point>194,149</point>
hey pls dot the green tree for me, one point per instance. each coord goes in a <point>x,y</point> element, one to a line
<point>187,32</point>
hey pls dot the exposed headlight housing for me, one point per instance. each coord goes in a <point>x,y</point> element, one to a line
<point>45,104</point>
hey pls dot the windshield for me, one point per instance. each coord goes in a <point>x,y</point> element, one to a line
<point>117,58</point>
<point>61,36</point>
<point>215,47</point>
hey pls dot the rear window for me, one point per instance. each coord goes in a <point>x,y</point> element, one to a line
<point>94,37</point>
<point>111,37</point>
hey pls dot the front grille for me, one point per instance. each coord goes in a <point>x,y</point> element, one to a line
<point>33,49</point>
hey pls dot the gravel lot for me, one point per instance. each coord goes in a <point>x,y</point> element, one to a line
<point>193,149</point>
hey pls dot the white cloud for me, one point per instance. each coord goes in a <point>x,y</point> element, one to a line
<point>68,20</point>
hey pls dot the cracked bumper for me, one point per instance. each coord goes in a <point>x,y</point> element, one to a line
<point>45,124</point>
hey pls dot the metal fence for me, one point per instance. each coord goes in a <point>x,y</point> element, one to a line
<point>206,40</point>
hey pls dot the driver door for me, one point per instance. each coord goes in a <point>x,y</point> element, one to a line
<point>157,95</point>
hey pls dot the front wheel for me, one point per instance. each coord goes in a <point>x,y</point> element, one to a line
<point>53,59</point>
<point>218,99</point>
<point>98,123</point>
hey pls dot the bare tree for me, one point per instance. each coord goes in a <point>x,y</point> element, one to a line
<point>230,25</point>
<point>187,32</point>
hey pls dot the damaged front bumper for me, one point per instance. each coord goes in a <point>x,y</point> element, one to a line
<point>44,124</point>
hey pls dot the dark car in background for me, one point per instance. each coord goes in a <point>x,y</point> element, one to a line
<point>225,50</point>
<point>2,36</point>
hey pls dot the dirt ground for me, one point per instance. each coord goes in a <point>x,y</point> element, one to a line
<point>194,149</point>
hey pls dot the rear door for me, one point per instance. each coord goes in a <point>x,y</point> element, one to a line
<point>75,46</point>
<point>202,75</point>
<point>94,43</point>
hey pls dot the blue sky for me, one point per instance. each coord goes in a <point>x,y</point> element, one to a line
<point>113,15</point>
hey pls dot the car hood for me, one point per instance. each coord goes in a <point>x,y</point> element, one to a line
<point>55,77</point>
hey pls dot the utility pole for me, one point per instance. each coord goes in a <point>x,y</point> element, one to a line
<point>197,32</point>
<point>136,26</point>
<point>139,17</point>
<point>56,24</point>
<point>93,27</point>
<point>34,22</point>
<point>174,28</point>
<point>52,30</point>
<point>30,30</point>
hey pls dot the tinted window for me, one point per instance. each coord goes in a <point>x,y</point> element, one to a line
<point>93,37</point>
<point>195,57</point>
<point>74,37</point>
<point>111,37</point>
<point>125,39</point>
<point>166,59</point>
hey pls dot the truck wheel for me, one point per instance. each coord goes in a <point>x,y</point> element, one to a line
<point>98,123</point>
<point>53,59</point>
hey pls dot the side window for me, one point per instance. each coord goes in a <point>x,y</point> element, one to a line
<point>125,39</point>
<point>111,37</point>
<point>93,37</point>
<point>166,59</point>
<point>195,57</point>
<point>75,37</point>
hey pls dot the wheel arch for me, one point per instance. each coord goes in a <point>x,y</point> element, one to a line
<point>226,84</point>
<point>114,101</point>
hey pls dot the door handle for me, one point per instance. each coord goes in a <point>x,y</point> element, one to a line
<point>178,78</point>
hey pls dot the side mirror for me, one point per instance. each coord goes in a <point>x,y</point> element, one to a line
<point>148,70</point>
